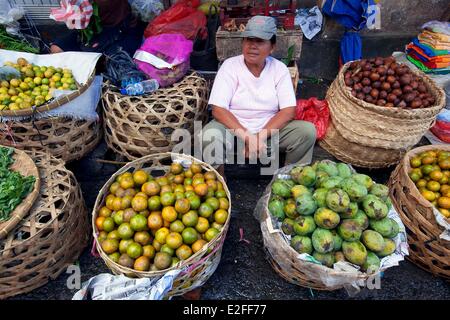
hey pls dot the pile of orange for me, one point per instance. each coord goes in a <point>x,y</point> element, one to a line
<point>430,171</point>
<point>152,223</point>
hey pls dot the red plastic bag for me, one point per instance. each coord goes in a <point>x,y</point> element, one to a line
<point>441,130</point>
<point>315,111</point>
<point>183,17</point>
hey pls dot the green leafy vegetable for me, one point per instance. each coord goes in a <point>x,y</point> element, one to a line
<point>13,186</point>
<point>9,42</point>
<point>290,55</point>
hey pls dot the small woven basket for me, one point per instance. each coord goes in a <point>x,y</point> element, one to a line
<point>426,249</point>
<point>385,133</point>
<point>26,167</point>
<point>64,138</point>
<point>50,237</point>
<point>196,269</point>
<point>136,126</point>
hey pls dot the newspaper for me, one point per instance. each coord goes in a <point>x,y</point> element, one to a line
<point>310,21</point>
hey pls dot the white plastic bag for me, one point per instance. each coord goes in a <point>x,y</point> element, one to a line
<point>146,10</point>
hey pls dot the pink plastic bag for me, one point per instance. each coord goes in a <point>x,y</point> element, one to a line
<point>315,111</point>
<point>174,49</point>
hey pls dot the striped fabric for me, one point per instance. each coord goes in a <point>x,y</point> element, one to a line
<point>75,13</point>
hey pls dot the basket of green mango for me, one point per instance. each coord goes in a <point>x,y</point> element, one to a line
<point>327,227</point>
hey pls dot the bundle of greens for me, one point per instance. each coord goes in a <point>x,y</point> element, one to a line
<point>13,186</point>
<point>9,42</point>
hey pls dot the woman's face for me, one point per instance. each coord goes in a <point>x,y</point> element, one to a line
<point>256,50</point>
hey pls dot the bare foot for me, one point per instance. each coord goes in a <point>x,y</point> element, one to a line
<point>55,49</point>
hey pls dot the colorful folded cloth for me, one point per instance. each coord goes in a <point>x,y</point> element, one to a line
<point>437,44</point>
<point>427,63</point>
<point>413,48</point>
<point>436,35</point>
<point>429,50</point>
<point>425,69</point>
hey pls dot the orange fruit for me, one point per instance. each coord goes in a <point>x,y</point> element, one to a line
<point>118,217</point>
<point>125,231</point>
<point>190,218</point>
<point>444,180</point>
<point>166,224</point>
<point>139,203</point>
<point>162,260</point>
<point>142,264</point>
<point>138,223</point>
<point>436,175</point>
<point>187,181</point>
<point>211,233</point>
<point>213,202</point>
<point>102,236</point>
<point>194,201</point>
<point>212,184</point>
<point>123,245</point>
<point>174,240</point>
<point>166,188</point>
<point>127,182</point>
<point>198,245</point>
<point>220,216</point>
<point>154,203</point>
<point>415,162</point>
<point>110,245</point>
<point>201,189</point>
<point>120,192</point>
<point>210,193</point>
<point>190,235</point>
<point>433,186</point>
<point>444,188</point>
<point>154,221</point>
<point>220,193</point>
<point>108,224</point>
<point>445,212</point>
<point>126,202</point>
<point>140,177</point>
<point>179,195</point>
<point>141,194</point>
<point>113,235</point>
<point>183,252</point>
<point>179,188</point>
<point>429,195</point>
<point>165,248</point>
<point>444,164</point>
<point>167,199</point>
<point>163,181</point>
<point>202,225</point>
<point>99,223</point>
<point>176,168</point>
<point>209,175</point>
<point>148,251</point>
<point>177,226</point>
<point>188,173</point>
<point>225,204</point>
<point>151,188</point>
<point>104,212</point>
<point>178,179</point>
<point>161,235</point>
<point>156,245</point>
<point>205,210</point>
<point>134,250</point>
<point>197,181</point>
<point>444,202</point>
<point>169,214</point>
<point>182,206</point>
<point>128,214</point>
<point>131,192</point>
<point>114,186</point>
<point>428,160</point>
<point>143,238</point>
<point>189,188</point>
<point>196,168</point>
<point>117,204</point>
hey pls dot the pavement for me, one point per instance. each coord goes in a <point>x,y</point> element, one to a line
<point>244,272</point>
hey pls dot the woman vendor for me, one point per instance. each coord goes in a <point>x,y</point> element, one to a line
<point>253,94</point>
<point>119,29</point>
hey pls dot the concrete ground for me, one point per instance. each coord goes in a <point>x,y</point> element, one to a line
<point>244,272</point>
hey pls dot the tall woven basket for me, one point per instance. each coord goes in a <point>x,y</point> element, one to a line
<point>138,126</point>
<point>197,269</point>
<point>64,138</point>
<point>427,249</point>
<point>367,135</point>
<point>50,237</point>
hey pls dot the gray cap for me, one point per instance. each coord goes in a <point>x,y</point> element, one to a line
<point>260,27</point>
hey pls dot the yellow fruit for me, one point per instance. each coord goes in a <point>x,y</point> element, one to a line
<point>436,175</point>
<point>444,202</point>
<point>429,195</point>
<point>433,186</point>
<point>445,212</point>
<point>140,177</point>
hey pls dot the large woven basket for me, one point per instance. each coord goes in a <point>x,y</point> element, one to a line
<point>378,136</point>
<point>138,126</point>
<point>50,237</point>
<point>64,138</point>
<point>196,269</point>
<point>426,249</point>
<point>26,167</point>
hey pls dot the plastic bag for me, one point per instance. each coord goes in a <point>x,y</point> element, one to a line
<point>315,111</point>
<point>191,26</point>
<point>343,274</point>
<point>165,58</point>
<point>146,10</point>
<point>179,10</point>
<point>76,14</point>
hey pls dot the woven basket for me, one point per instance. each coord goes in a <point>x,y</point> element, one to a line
<point>196,269</point>
<point>50,237</point>
<point>62,137</point>
<point>138,126</point>
<point>57,102</point>
<point>390,131</point>
<point>426,249</point>
<point>25,166</point>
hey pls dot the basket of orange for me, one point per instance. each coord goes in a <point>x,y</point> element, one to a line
<point>420,192</point>
<point>163,212</point>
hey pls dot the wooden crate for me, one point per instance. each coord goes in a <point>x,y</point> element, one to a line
<point>229,44</point>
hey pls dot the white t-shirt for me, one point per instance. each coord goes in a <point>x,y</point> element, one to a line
<point>253,100</point>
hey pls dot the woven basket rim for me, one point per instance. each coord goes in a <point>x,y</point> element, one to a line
<point>22,209</point>
<point>52,105</point>
<point>217,241</point>
<point>439,103</point>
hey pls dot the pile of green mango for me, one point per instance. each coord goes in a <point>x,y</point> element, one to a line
<point>335,215</point>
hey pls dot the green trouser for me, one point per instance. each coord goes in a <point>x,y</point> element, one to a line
<point>296,139</point>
